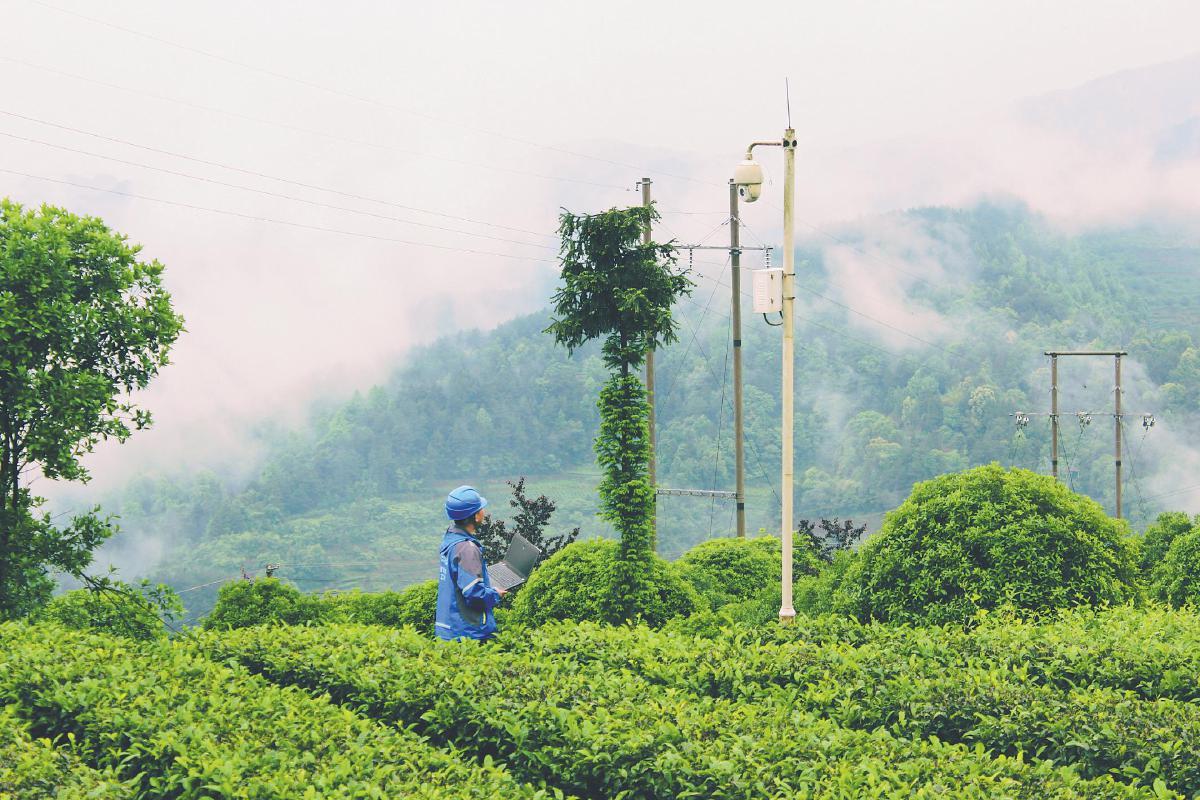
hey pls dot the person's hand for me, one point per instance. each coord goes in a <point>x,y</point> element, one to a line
<point>502,592</point>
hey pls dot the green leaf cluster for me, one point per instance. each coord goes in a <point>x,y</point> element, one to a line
<point>83,324</point>
<point>562,716</point>
<point>179,725</point>
<point>35,769</point>
<point>985,538</point>
<point>581,580</point>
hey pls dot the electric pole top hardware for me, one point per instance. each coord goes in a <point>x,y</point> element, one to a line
<point>768,291</point>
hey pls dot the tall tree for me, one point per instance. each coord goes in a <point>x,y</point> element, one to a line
<point>617,287</point>
<point>83,324</point>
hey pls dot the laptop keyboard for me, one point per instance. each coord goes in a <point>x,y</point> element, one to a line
<point>504,576</point>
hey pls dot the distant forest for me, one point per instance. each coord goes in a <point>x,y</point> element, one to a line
<point>876,409</point>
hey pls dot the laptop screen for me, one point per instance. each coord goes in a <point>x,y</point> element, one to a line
<point>522,556</point>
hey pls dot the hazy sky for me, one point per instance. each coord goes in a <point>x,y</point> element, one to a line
<point>474,117</point>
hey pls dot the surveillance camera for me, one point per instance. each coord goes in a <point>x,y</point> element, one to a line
<point>748,176</point>
<point>750,192</point>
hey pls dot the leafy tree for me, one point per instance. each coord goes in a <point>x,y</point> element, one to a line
<point>616,287</point>
<point>1161,534</point>
<point>1176,580</point>
<point>120,609</point>
<point>988,537</point>
<point>83,324</point>
<point>531,519</point>
<point>834,537</point>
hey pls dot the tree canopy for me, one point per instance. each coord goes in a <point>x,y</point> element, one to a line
<point>83,324</point>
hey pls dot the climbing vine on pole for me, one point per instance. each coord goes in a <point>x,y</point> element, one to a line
<point>617,287</point>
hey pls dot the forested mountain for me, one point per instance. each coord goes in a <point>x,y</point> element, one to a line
<point>353,498</point>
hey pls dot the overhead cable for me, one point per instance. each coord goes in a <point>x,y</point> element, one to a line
<point>310,131</point>
<point>475,130</point>
<point>272,220</point>
<point>268,193</point>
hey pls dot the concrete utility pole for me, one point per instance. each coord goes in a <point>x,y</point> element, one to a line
<point>1117,428</point>
<point>786,612</point>
<point>735,262</point>
<point>1117,414</point>
<point>1054,415</point>
<point>646,236</point>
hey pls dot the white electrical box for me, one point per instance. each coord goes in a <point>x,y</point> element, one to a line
<point>768,291</point>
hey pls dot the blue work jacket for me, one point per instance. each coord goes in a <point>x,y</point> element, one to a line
<point>465,594</point>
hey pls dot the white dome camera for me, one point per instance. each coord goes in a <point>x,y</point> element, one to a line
<point>748,176</point>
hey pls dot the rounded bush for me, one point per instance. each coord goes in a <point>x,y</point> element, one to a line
<point>126,611</point>
<point>265,601</point>
<point>415,606</point>
<point>1161,534</point>
<point>988,537</point>
<point>577,583</point>
<point>1176,580</point>
<point>727,571</point>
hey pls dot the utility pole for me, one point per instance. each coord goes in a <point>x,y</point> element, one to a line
<point>786,612</point>
<point>1117,414</point>
<point>646,236</point>
<point>1054,415</point>
<point>1117,428</point>
<point>735,262</point>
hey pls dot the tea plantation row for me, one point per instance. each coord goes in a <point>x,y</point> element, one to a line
<point>574,713</point>
<point>172,723</point>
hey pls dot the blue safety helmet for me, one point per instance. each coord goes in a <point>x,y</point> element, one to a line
<point>464,502</point>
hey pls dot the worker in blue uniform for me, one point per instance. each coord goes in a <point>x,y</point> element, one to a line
<point>465,593</point>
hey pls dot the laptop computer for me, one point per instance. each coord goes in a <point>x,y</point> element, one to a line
<point>518,562</point>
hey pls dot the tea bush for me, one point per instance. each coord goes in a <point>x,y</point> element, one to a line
<point>1177,579</point>
<point>578,583</point>
<point>732,570</point>
<point>602,732</point>
<point>1160,534</point>
<point>32,769</point>
<point>984,538</point>
<point>415,606</point>
<point>182,726</point>
<point>264,601</point>
<point>120,609</point>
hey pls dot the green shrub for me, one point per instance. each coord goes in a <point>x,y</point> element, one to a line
<point>985,538</point>
<point>264,601</point>
<point>579,583</point>
<point>727,571</point>
<point>415,606</point>
<point>120,609</point>
<point>1158,537</point>
<point>1176,580</point>
<point>555,713</point>
<point>31,769</point>
<point>183,726</point>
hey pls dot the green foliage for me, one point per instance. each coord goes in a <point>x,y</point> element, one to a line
<point>416,606</point>
<point>1176,580</point>
<point>558,713</point>
<point>180,725</point>
<point>1010,686</point>
<point>116,608</point>
<point>985,538</point>
<point>264,601</point>
<point>83,324</point>
<point>730,570</point>
<point>34,769</point>
<point>530,521</point>
<point>1160,535</point>
<point>578,583</point>
<point>617,287</point>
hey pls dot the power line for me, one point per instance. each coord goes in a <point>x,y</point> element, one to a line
<point>257,218</point>
<point>353,96</point>
<point>253,173</point>
<point>268,193</point>
<point>309,131</point>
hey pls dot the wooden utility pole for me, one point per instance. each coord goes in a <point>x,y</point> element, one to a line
<point>735,261</point>
<point>1117,428</point>
<point>1054,415</point>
